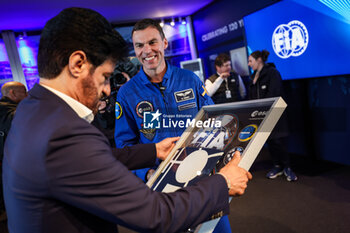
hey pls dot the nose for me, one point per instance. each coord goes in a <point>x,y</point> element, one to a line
<point>147,48</point>
<point>106,89</point>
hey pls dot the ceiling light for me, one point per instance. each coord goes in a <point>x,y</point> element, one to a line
<point>182,21</point>
<point>172,23</point>
<point>161,23</point>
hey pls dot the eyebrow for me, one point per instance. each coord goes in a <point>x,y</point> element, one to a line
<point>151,40</point>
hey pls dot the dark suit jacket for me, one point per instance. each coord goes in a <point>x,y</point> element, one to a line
<point>61,176</point>
<point>7,111</point>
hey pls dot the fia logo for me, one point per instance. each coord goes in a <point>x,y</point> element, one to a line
<point>290,39</point>
<point>151,120</point>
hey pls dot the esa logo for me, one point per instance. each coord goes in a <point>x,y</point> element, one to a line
<point>290,39</point>
<point>257,113</point>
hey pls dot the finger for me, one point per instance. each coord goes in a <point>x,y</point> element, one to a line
<point>236,158</point>
<point>250,176</point>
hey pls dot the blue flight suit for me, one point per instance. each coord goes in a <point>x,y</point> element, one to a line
<point>180,93</point>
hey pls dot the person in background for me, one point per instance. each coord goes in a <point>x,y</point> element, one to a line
<point>12,94</point>
<point>158,87</point>
<point>59,173</point>
<point>266,82</point>
<point>225,86</point>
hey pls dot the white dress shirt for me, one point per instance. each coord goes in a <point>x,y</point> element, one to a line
<point>82,111</point>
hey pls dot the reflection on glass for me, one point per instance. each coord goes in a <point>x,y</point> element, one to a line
<point>5,69</point>
<point>28,50</point>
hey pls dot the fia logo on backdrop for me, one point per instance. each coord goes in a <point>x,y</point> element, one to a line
<point>290,39</point>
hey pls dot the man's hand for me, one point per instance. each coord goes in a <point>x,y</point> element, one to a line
<point>225,75</point>
<point>164,147</point>
<point>238,177</point>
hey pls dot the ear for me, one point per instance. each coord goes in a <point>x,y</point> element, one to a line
<point>78,63</point>
<point>165,43</point>
<point>12,94</point>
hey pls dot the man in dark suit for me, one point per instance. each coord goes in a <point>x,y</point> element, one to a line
<point>59,172</point>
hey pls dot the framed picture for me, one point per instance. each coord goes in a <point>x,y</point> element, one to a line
<point>211,139</point>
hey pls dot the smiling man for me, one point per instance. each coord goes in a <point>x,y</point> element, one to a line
<point>158,86</point>
<point>59,172</point>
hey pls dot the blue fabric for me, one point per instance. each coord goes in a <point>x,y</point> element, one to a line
<point>223,226</point>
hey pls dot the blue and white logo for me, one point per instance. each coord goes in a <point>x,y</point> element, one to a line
<point>151,120</point>
<point>290,39</point>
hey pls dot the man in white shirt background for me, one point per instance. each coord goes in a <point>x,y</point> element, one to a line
<point>225,86</point>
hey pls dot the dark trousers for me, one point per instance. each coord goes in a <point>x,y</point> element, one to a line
<point>278,151</point>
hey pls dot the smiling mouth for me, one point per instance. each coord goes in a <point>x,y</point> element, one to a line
<point>149,58</point>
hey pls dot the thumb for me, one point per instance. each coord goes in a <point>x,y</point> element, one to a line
<point>174,139</point>
<point>236,158</point>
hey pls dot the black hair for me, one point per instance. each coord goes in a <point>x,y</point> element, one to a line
<point>221,59</point>
<point>76,29</point>
<point>263,54</point>
<point>145,23</point>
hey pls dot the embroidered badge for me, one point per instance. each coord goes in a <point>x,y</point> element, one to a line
<point>184,95</point>
<point>204,91</point>
<point>148,133</point>
<point>187,106</point>
<point>143,106</point>
<point>118,110</point>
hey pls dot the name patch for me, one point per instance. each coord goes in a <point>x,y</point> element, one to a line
<point>184,95</point>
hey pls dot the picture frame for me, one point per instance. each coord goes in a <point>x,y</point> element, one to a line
<point>211,139</point>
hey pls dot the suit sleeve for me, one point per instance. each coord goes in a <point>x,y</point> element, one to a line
<point>130,156</point>
<point>82,172</point>
<point>126,131</point>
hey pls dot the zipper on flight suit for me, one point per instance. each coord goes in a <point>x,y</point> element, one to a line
<point>162,88</point>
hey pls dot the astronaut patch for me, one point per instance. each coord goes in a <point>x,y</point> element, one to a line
<point>148,133</point>
<point>184,95</point>
<point>118,110</point>
<point>143,106</point>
